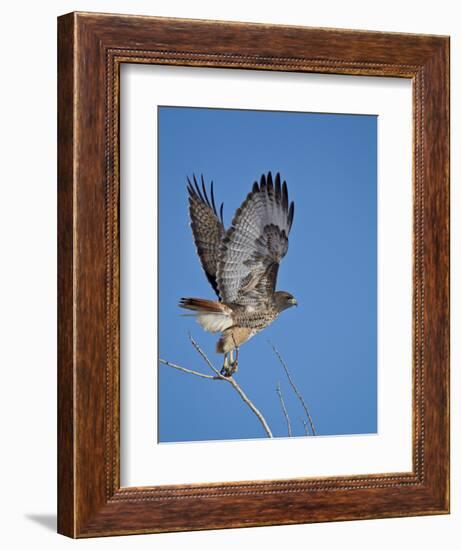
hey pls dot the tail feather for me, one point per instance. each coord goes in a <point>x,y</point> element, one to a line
<point>212,315</point>
<point>199,304</point>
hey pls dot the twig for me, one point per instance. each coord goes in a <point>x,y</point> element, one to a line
<point>205,357</point>
<point>219,376</point>
<point>256,411</point>
<point>306,429</point>
<point>295,389</point>
<point>189,371</point>
<point>284,409</point>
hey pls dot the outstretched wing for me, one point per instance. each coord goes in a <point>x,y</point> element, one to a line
<point>255,244</point>
<point>207,228</point>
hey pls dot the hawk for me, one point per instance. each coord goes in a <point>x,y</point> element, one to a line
<point>241,263</point>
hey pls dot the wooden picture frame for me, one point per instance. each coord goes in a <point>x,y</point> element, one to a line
<point>91,48</point>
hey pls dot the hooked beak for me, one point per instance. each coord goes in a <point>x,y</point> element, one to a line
<point>293,302</point>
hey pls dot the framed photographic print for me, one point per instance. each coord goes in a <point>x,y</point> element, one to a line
<point>253,275</point>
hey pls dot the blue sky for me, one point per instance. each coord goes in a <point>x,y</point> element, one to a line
<point>330,341</point>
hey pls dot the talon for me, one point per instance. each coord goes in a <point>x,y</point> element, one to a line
<point>227,371</point>
<point>225,368</point>
<point>230,365</point>
<point>233,367</point>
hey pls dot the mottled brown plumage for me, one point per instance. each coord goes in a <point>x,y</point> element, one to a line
<point>241,263</point>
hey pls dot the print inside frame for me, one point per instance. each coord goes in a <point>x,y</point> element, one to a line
<point>145,91</point>
<point>328,225</point>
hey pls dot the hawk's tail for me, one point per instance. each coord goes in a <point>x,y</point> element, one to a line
<point>199,304</point>
<point>212,315</point>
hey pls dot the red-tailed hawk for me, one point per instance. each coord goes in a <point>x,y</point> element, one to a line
<point>241,263</point>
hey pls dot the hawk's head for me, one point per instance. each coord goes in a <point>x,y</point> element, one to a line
<point>284,300</point>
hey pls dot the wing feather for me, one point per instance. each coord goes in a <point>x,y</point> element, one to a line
<point>207,227</point>
<point>254,245</point>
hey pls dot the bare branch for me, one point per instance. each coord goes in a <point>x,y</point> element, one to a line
<point>306,429</point>
<point>293,385</point>
<point>284,409</point>
<point>205,357</point>
<point>256,411</point>
<point>219,376</point>
<point>189,371</point>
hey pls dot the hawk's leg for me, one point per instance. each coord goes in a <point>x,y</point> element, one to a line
<point>234,364</point>
<point>225,367</point>
<point>230,364</point>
